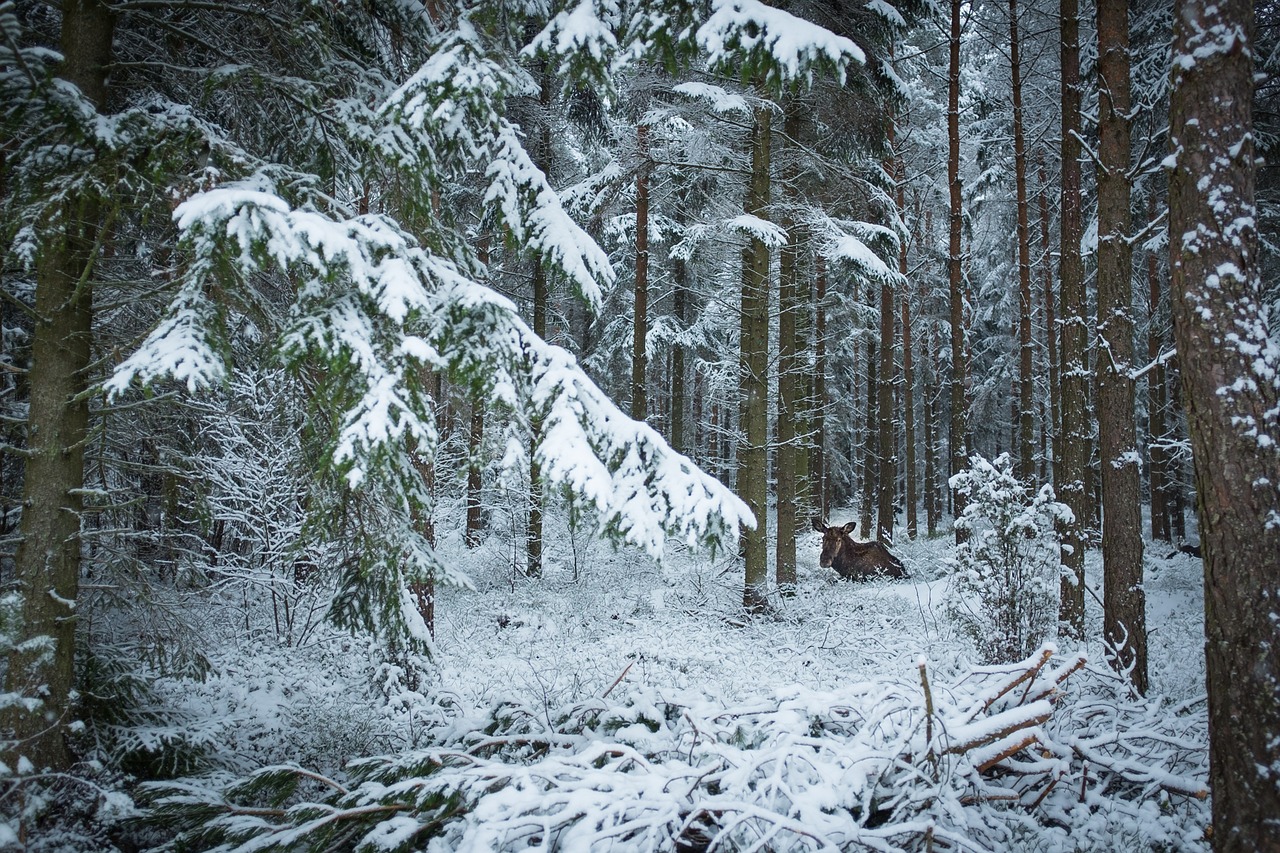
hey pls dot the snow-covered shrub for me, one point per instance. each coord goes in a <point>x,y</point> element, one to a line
<point>1004,576</point>
<point>997,757</point>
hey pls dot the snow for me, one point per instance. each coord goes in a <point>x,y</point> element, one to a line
<point>721,100</point>
<point>789,728</point>
<point>769,233</point>
<point>793,46</point>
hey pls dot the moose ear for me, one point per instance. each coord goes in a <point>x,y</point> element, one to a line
<point>819,526</point>
<point>850,527</point>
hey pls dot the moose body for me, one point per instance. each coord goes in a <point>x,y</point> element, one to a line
<point>855,560</point>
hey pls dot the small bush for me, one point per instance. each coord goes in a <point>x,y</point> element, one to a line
<point>1004,576</point>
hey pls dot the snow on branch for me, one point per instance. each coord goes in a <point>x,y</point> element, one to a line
<point>719,99</point>
<point>533,212</point>
<point>448,119</point>
<point>749,37</point>
<point>582,41</point>
<point>771,234</point>
<point>379,308</point>
<point>890,765</point>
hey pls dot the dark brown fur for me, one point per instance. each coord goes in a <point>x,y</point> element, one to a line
<point>855,560</point>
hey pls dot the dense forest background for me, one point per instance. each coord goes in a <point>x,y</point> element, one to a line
<point>341,339</point>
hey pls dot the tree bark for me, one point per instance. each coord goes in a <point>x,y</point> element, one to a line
<point>1069,472</point>
<point>909,408</point>
<point>788,451</point>
<point>959,368</point>
<point>1156,396</point>
<point>640,326</point>
<point>679,307</point>
<point>1124,602</point>
<point>753,453</point>
<point>887,475</point>
<point>1054,425</point>
<point>1026,378</point>
<point>47,564</point>
<point>1228,380</point>
<point>541,296</point>
<point>870,443</point>
<point>821,477</point>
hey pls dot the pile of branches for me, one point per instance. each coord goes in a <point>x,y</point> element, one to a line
<point>998,756</point>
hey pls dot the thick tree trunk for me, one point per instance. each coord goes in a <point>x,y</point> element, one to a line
<point>959,367</point>
<point>1026,379</point>
<point>753,453</point>
<point>1229,384</point>
<point>1124,602</point>
<point>1070,472</point>
<point>640,326</point>
<point>47,565</point>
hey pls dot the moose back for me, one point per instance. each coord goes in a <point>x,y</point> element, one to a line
<point>855,560</point>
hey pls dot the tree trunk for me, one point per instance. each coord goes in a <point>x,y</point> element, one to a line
<point>541,296</point>
<point>1228,380</point>
<point>1026,419</point>
<point>887,476</point>
<point>47,564</point>
<point>870,443</point>
<point>1054,425</point>
<point>821,477</point>
<point>788,451</point>
<point>959,368</point>
<point>1156,396</point>
<point>909,409</point>
<point>1124,602</point>
<point>1070,473</point>
<point>753,454</point>
<point>640,326</point>
<point>679,307</point>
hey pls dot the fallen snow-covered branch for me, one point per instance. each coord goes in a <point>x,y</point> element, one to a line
<point>871,766</point>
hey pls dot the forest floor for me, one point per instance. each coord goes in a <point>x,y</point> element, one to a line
<point>560,640</point>
<point>677,629</point>
<point>610,632</point>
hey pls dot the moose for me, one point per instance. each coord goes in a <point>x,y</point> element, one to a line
<point>855,560</point>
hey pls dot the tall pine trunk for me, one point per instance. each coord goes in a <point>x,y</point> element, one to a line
<point>788,452</point>
<point>818,465</point>
<point>1054,425</point>
<point>640,326</point>
<point>753,376</point>
<point>1069,472</point>
<point>955,278</point>
<point>47,564</point>
<point>541,296</point>
<point>1228,380</point>
<point>1124,603</point>
<point>1156,396</point>
<point>1026,379</point>
<point>679,307</point>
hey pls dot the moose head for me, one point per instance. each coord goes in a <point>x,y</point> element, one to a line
<point>855,560</point>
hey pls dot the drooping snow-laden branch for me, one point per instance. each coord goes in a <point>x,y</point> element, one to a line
<point>447,120</point>
<point>383,307</point>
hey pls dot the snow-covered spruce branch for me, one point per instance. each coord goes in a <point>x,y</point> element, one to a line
<point>383,308</point>
<point>873,766</point>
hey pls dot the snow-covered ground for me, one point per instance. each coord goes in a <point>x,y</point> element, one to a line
<point>612,674</point>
